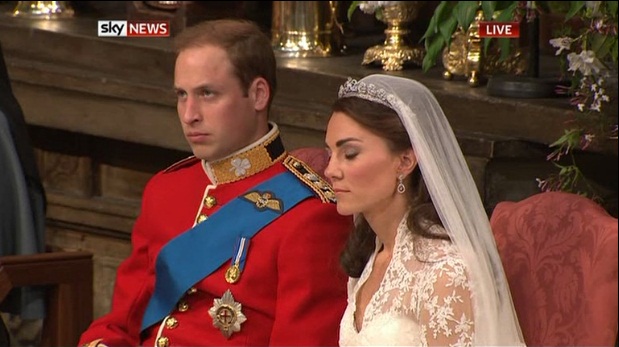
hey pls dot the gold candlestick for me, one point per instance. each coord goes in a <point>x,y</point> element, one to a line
<point>43,9</point>
<point>395,52</point>
<point>306,29</point>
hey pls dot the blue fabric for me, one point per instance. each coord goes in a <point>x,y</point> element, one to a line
<point>21,224</point>
<point>22,198</point>
<point>196,253</point>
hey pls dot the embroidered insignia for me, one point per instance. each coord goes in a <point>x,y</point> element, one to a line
<point>305,173</point>
<point>249,161</point>
<point>227,315</point>
<point>265,200</point>
<point>240,166</point>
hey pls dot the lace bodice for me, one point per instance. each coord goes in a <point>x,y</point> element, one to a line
<point>424,299</point>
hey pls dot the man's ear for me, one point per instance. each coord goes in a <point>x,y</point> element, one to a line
<point>408,162</point>
<point>260,92</point>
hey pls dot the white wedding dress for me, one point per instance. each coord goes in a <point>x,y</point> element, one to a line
<point>424,298</point>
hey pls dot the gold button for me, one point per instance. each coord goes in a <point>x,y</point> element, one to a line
<point>183,306</point>
<point>163,341</point>
<point>210,201</point>
<point>202,218</point>
<point>192,290</point>
<point>171,323</point>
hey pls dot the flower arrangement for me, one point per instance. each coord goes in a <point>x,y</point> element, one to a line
<point>370,7</point>
<point>589,59</point>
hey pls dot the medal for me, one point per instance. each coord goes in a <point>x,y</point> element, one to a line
<point>227,315</point>
<point>238,261</point>
<point>233,273</point>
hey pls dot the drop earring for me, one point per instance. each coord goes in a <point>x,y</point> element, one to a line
<point>401,186</point>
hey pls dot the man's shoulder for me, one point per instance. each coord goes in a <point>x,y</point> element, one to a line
<point>310,178</point>
<point>183,163</point>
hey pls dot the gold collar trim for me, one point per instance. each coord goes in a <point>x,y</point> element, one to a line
<point>248,161</point>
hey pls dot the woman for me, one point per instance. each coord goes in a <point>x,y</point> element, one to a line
<point>422,261</point>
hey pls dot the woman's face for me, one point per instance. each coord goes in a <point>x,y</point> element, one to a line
<point>362,168</point>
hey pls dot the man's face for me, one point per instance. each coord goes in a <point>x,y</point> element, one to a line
<point>216,116</point>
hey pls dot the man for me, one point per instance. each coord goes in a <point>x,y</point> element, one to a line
<point>238,244</point>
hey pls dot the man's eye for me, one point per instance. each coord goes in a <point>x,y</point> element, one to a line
<point>206,93</point>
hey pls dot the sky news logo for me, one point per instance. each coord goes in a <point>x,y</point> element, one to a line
<point>502,30</point>
<point>133,28</point>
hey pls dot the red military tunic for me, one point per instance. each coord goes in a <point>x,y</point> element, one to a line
<point>291,290</point>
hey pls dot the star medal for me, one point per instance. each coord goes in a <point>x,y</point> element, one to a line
<point>227,315</point>
<point>237,262</point>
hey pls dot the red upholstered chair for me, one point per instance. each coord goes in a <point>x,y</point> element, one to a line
<point>559,251</point>
<point>316,157</point>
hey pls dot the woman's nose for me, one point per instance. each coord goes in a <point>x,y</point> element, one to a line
<point>330,170</point>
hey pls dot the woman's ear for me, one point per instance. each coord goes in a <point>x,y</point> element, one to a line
<point>408,162</point>
<point>260,92</point>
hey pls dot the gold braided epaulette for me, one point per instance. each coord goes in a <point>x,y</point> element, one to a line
<point>308,176</point>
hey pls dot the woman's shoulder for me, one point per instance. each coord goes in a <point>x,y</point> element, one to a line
<point>442,264</point>
<point>435,250</point>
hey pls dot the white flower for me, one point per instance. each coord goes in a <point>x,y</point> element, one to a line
<point>561,43</point>
<point>371,6</point>
<point>240,166</point>
<point>596,106</point>
<point>585,62</point>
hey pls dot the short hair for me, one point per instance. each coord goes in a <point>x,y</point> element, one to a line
<point>248,47</point>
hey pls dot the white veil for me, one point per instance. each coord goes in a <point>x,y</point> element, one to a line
<point>455,197</point>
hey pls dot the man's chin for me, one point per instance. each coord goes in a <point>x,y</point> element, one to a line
<point>206,156</point>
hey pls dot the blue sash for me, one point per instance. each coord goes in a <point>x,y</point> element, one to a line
<point>198,252</point>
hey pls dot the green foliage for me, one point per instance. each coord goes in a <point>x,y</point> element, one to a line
<point>589,57</point>
<point>596,40</point>
<point>451,16</point>
<point>352,8</point>
<point>569,177</point>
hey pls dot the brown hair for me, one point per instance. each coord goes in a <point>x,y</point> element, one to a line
<point>249,49</point>
<point>385,123</point>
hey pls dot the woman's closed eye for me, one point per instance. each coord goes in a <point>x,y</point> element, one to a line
<point>350,154</point>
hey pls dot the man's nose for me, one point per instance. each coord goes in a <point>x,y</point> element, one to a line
<point>189,111</point>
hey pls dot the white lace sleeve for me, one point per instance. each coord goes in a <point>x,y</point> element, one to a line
<point>446,312</point>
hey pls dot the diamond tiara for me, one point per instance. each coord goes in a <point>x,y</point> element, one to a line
<point>369,92</point>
